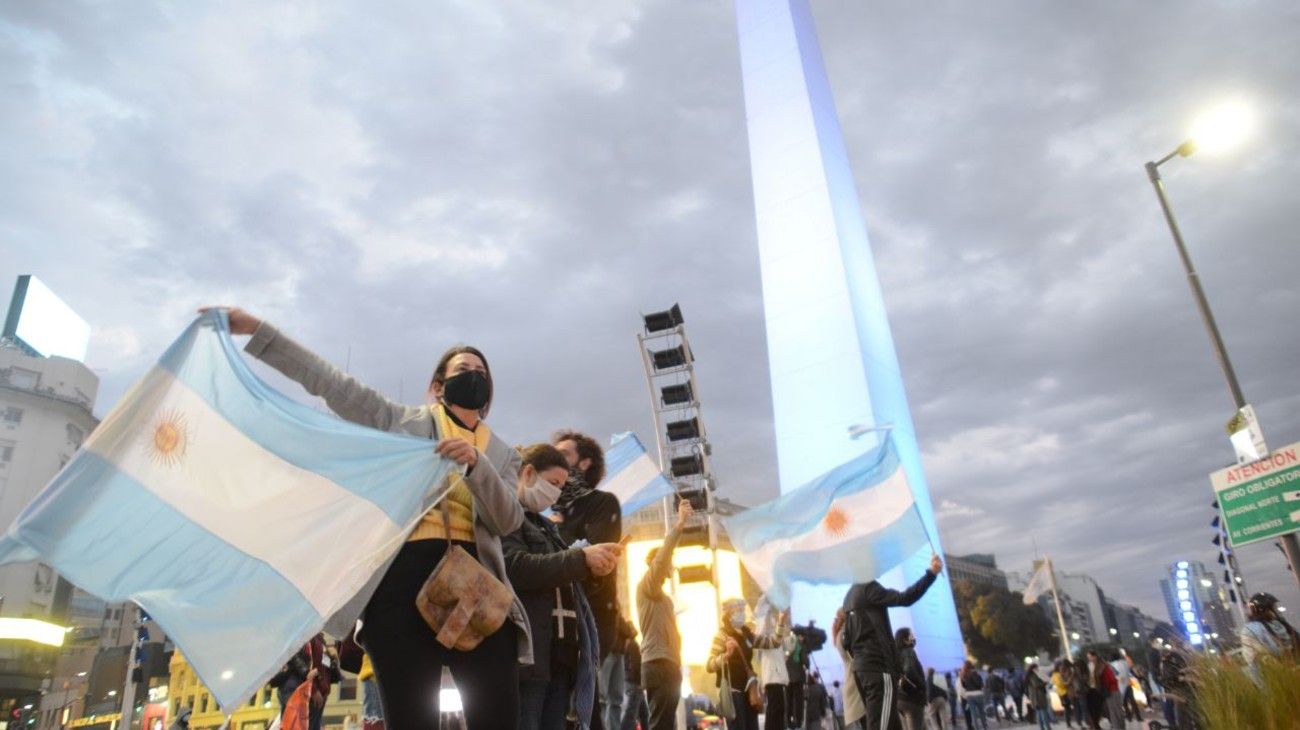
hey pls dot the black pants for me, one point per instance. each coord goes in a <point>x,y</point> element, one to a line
<point>1096,704</point>
<point>878,697</point>
<point>408,659</point>
<point>663,689</point>
<point>774,707</point>
<point>794,694</point>
<point>746,716</point>
<point>1131,709</point>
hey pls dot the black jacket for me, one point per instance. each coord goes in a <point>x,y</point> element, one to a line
<point>868,635</point>
<point>537,563</point>
<point>596,517</point>
<point>911,685</point>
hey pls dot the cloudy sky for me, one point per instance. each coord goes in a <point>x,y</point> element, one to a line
<point>531,176</point>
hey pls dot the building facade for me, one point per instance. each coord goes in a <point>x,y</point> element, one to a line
<point>978,569</point>
<point>184,689</point>
<point>45,413</point>
<point>1197,606</point>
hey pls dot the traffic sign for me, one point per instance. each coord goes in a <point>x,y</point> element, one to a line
<point>1260,500</point>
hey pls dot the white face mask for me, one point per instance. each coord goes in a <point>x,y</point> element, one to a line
<point>539,496</point>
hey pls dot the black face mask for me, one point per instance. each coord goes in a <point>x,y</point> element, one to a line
<point>470,389</point>
<point>576,480</point>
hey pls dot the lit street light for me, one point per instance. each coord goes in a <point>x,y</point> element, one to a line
<point>1215,131</point>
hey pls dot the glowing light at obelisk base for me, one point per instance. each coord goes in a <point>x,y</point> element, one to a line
<point>833,365</point>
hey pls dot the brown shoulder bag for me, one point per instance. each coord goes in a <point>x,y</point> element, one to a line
<point>461,600</point>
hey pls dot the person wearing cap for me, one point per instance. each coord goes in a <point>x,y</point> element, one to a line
<point>1266,633</point>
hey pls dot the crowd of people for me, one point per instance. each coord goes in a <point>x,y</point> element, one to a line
<point>561,654</point>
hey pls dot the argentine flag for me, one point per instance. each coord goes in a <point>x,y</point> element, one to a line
<point>849,525</point>
<point>242,521</point>
<point>631,475</point>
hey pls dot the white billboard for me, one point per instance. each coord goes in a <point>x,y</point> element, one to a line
<point>43,322</point>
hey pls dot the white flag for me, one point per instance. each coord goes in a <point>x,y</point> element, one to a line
<point>1039,584</point>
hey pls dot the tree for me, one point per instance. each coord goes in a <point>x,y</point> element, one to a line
<point>998,627</point>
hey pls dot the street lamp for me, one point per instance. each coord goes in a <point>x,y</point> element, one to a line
<point>1215,131</point>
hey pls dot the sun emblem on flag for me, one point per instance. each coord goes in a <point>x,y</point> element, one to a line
<point>167,440</point>
<point>836,521</point>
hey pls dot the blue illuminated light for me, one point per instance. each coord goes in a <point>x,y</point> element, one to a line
<point>1189,616</point>
<point>1182,563</point>
<point>1185,605</point>
<point>1184,595</point>
<point>1182,583</point>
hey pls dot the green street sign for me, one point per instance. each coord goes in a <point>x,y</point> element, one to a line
<point>1260,500</point>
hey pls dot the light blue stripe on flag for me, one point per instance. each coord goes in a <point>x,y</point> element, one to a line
<point>851,524</point>
<point>631,475</point>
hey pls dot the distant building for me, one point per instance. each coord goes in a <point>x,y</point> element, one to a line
<point>45,413</point>
<point>979,569</point>
<point>1198,606</point>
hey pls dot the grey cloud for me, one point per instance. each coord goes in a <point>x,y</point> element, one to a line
<point>385,182</point>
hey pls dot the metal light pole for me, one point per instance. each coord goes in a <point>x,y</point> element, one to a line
<point>1290,545</point>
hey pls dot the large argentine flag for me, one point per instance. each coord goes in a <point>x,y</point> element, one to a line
<point>242,521</point>
<point>631,475</point>
<point>849,525</point>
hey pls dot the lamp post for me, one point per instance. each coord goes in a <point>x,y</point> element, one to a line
<point>1219,129</point>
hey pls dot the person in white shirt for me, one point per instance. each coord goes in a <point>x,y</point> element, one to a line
<point>772,673</point>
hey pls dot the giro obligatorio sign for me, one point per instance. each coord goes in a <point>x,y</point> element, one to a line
<point>1260,500</point>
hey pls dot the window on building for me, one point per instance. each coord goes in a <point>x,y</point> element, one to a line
<point>26,379</point>
<point>75,436</point>
<point>6,452</point>
<point>176,707</point>
<point>348,690</point>
<point>203,703</point>
<point>11,416</point>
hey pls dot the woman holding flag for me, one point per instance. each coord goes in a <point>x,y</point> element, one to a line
<point>482,505</point>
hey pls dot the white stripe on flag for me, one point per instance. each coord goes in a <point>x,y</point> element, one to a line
<point>632,478</point>
<point>265,497</point>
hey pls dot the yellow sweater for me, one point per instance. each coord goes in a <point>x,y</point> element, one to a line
<point>460,501</point>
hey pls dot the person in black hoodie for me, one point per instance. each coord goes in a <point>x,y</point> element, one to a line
<point>548,577</point>
<point>584,512</point>
<point>870,638</point>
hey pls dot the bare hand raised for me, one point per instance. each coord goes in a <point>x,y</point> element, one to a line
<point>684,512</point>
<point>241,322</point>
<point>936,564</point>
